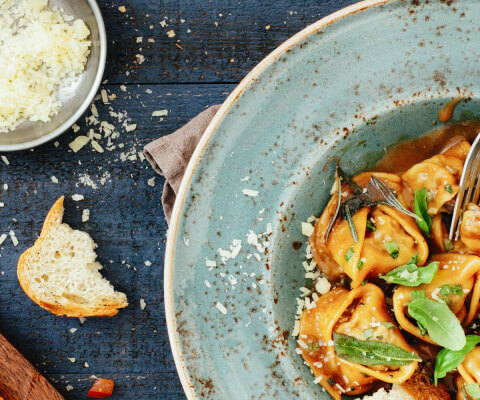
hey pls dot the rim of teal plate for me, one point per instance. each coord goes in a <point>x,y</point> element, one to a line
<point>188,387</point>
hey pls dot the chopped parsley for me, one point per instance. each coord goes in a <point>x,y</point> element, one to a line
<point>360,264</point>
<point>349,254</point>
<point>388,325</point>
<point>367,334</point>
<point>370,226</point>
<point>392,248</point>
<point>445,290</point>
<point>447,244</point>
<point>449,188</point>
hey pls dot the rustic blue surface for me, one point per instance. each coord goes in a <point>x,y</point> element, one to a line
<point>216,45</point>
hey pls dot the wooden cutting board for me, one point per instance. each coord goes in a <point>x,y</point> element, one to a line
<point>19,380</point>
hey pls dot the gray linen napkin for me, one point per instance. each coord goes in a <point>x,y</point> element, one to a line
<point>170,154</point>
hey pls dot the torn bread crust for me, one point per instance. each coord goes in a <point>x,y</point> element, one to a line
<point>69,297</point>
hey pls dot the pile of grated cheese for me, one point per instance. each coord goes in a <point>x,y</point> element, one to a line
<point>40,49</point>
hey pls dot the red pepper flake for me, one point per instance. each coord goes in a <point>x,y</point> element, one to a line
<point>101,388</point>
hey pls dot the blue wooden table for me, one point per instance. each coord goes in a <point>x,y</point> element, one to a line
<point>175,55</point>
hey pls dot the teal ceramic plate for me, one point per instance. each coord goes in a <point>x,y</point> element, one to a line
<point>349,86</point>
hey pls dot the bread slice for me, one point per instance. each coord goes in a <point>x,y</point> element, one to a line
<point>60,273</point>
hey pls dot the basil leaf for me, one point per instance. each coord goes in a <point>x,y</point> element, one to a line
<point>417,294</point>
<point>425,222</point>
<point>449,188</point>
<point>368,334</point>
<point>370,226</point>
<point>439,321</point>
<point>349,254</point>
<point>388,325</point>
<point>411,274</point>
<point>447,360</point>
<point>473,390</point>
<point>371,352</point>
<point>392,248</point>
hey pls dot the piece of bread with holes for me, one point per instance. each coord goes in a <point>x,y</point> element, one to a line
<point>60,272</point>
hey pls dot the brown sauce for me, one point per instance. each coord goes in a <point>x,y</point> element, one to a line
<point>405,154</point>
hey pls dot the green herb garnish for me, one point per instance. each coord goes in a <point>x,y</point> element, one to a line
<point>313,346</point>
<point>447,360</point>
<point>412,275</point>
<point>421,208</point>
<point>473,390</point>
<point>371,352</point>
<point>360,264</point>
<point>438,320</point>
<point>388,325</point>
<point>392,248</point>
<point>349,254</point>
<point>447,244</point>
<point>351,225</point>
<point>445,290</point>
<point>449,188</point>
<point>367,334</point>
<point>370,226</point>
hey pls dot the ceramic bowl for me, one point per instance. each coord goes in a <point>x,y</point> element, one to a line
<point>78,95</point>
<point>349,86</point>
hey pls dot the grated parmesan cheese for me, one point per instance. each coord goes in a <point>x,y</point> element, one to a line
<point>39,52</point>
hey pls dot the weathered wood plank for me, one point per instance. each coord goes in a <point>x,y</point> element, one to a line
<point>127,223</point>
<point>218,40</point>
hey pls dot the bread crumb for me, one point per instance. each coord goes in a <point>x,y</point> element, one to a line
<point>148,263</point>
<point>104,95</point>
<point>122,9</point>
<point>82,320</point>
<point>73,330</point>
<point>71,359</point>
<point>142,304</point>
<point>123,88</point>
<point>221,308</point>
<point>54,179</point>
<point>250,192</point>
<point>75,128</point>
<point>139,39</point>
<point>86,365</point>
<point>151,182</point>
<point>93,109</point>
<point>78,143</point>
<point>131,127</point>
<point>85,215</point>
<point>2,204</point>
<point>78,197</point>
<point>267,27</point>
<point>5,160</point>
<point>140,58</point>
<point>160,113</point>
<point>5,186</point>
<point>13,238</point>
<point>171,33</point>
<point>96,146</point>
<point>69,388</point>
<point>3,237</point>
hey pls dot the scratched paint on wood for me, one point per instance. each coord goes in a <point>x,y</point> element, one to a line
<point>216,43</point>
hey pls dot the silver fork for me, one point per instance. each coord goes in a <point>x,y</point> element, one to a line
<point>469,191</point>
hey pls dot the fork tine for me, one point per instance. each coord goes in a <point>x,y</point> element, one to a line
<point>468,188</point>
<point>468,179</point>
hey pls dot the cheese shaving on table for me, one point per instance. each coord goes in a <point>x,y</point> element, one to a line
<point>39,51</point>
